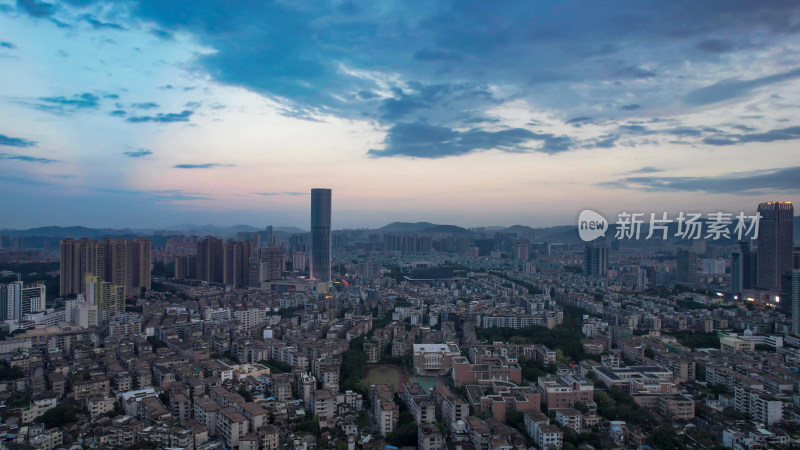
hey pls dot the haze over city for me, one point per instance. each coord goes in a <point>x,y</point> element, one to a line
<point>157,113</point>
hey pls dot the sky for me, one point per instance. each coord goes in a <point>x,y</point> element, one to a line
<point>154,113</point>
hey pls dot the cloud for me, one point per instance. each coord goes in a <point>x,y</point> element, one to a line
<point>8,45</point>
<point>147,105</point>
<point>85,100</point>
<point>61,105</point>
<point>783,180</point>
<point>577,121</point>
<point>719,141</point>
<point>421,140</point>
<point>735,88</point>
<point>784,134</point>
<point>26,158</point>
<point>36,9</point>
<point>157,195</point>
<point>201,166</point>
<point>100,25</point>
<point>635,72</point>
<point>117,113</point>
<point>643,170</point>
<point>684,131</point>
<point>138,153</point>
<point>273,194</point>
<point>182,116</point>
<point>607,141</point>
<point>433,55</point>
<point>15,142</point>
<point>367,95</point>
<point>422,66</point>
<point>715,46</point>
<point>28,181</point>
<point>162,34</point>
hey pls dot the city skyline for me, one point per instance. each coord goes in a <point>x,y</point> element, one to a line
<point>557,224</point>
<point>472,114</point>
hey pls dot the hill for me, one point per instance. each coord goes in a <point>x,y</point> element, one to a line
<point>448,229</point>
<point>406,227</point>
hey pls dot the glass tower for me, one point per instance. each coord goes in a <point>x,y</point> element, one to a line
<point>321,234</point>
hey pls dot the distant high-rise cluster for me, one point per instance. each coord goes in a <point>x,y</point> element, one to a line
<point>321,234</point>
<point>121,262</point>
<point>239,264</point>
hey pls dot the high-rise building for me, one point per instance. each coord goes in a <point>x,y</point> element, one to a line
<point>520,249</point>
<point>265,265</point>
<point>107,297</point>
<point>186,267</point>
<point>13,301</point>
<point>18,243</point>
<point>595,260</point>
<point>299,261</point>
<point>743,268</point>
<point>796,302</point>
<point>687,266</point>
<point>796,258</point>
<point>122,262</point>
<point>321,234</point>
<point>140,260</point>
<point>17,299</point>
<point>33,298</point>
<point>268,237</point>
<point>237,263</point>
<point>210,260</point>
<point>775,243</point>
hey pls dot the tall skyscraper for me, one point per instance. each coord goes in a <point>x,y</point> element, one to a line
<point>595,260</point>
<point>796,302</point>
<point>321,234</point>
<point>775,243</point>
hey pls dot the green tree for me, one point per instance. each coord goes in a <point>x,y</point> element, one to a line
<point>59,416</point>
<point>248,397</point>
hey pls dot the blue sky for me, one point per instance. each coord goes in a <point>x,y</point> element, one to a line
<point>153,113</point>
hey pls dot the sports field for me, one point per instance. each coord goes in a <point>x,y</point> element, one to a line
<point>389,375</point>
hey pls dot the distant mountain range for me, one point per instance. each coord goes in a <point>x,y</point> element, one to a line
<point>562,233</point>
<point>78,232</point>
